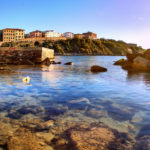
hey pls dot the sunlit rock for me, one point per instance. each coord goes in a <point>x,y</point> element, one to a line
<point>141,64</point>
<point>120,62</point>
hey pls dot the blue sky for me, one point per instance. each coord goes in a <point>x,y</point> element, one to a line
<point>127,20</point>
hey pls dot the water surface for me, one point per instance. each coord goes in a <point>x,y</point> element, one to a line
<point>116,98</point>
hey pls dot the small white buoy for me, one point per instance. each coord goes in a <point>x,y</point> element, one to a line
<point>26,79</point>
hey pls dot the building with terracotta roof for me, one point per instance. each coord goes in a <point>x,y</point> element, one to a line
<point>10,35</point>
<point>79,36</point>
<point>90,35</point>
<point>35,34</point>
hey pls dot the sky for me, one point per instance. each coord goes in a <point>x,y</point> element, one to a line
<point>127,20</point>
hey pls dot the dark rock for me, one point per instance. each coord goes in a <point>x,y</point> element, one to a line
<point>46,62</point>
<point>55,63</point>
<point>69,63</point>
<point>98,69</point>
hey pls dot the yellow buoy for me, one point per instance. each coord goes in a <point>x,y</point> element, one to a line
<point>26,79</point>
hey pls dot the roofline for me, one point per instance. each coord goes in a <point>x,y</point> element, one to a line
<point>13,29</point>
<point>35,31</point>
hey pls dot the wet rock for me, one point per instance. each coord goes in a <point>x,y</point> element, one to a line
<point>69,63</point>
<point>96,68</point>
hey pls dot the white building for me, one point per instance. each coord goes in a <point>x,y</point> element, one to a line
<point>68,35</point>
<point>52,33</point>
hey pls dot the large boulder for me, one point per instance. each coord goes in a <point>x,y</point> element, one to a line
<point>131,57</point>
<point>141,64</point>
<point>96,68</point>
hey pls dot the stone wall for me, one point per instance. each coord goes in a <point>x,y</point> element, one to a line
<point>20,55</point>
<point>42,39</point>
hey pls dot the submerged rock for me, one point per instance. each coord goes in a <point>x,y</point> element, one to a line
<point>99,138</point>
<point>143,143</point>
<point>94,139</point>
<point>23,139</point>
<point>45,126</point>
<point>80,100</point>
<point>96,68</point>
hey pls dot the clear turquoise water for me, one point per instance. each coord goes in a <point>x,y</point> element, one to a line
<point>116,98</point>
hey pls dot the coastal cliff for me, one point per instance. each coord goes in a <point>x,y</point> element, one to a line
<point>83,46</point>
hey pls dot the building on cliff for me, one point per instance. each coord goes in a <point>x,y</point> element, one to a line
<point>68,35</point>
<point>79,36</point>
<point>10,35</point>
<point>35,34</point>
<point>90,35</point>
<point>51,33</point>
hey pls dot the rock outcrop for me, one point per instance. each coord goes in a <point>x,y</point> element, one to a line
<point>136,62</point>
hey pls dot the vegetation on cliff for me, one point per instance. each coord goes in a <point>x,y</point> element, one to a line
<point>84,46</point>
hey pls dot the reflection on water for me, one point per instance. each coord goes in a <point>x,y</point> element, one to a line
<point>116,98</point>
